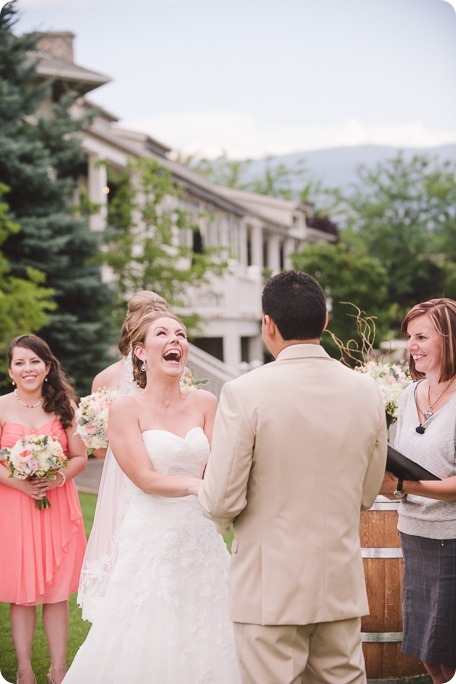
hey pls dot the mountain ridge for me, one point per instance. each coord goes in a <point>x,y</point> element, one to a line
<point>337,166</point>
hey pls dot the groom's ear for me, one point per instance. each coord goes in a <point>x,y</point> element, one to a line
<point>269,326</point>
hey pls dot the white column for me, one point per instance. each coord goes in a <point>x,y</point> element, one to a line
<point>274,252</point>
<point>256,348</point>
<point>288,250</point>
<point>97,180</point>
<point>232,349</point>
<point>243,236</point>
<point>257,246</point>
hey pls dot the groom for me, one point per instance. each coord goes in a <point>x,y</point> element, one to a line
<point>299,449</point>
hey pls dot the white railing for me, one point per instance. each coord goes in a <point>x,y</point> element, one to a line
<point>203,365</point>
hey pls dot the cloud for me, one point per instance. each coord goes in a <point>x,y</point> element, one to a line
<point>37,4</point>
<point>453,5</point>
<point>211,133</point>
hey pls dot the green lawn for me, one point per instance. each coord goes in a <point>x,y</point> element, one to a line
<point>78,627</point>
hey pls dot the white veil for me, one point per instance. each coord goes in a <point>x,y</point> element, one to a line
<point>101,552</point>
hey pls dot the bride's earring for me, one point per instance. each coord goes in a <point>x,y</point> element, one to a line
<point>143,367</point>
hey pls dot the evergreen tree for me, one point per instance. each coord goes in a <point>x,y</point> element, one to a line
<point>41,158</point>
<point>24,303</point>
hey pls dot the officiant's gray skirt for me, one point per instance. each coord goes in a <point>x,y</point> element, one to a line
<point>429,599</point>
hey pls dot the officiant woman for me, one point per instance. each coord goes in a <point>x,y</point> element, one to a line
<point>42,550</point>
<point>426,433</point>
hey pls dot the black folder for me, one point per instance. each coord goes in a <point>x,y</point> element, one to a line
<point>405,468</point>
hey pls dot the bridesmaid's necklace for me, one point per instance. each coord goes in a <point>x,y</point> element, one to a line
<point>37,403</point>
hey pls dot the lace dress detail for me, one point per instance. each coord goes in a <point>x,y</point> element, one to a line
<point>165,614</point>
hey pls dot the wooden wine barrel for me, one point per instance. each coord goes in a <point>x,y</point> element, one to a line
<point>382,629</point>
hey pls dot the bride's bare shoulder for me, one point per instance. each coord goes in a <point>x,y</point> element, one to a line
<point>203,398</point>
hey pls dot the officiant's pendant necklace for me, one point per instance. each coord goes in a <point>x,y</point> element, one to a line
<point>37,403</point>
<point>429,412</point>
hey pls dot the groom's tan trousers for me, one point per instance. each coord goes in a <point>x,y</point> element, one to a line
<point>325,653</point>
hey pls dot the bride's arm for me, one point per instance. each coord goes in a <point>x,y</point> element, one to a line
<point>126,442</point>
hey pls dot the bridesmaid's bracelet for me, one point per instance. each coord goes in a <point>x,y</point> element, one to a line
<point>63,476</point>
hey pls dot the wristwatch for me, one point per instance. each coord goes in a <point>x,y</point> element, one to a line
<point>398,491</point>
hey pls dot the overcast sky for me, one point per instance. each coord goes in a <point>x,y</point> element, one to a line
<point>258,77</point>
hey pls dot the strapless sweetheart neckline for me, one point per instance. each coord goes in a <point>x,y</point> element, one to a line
<point>168,432</point>
<point>27,427</point>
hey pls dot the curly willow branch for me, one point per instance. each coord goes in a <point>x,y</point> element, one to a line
<point>363,350</point>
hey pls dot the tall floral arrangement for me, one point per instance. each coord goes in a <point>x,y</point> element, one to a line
<point>361,355</point>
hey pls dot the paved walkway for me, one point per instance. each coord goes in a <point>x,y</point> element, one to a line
<point>89,480</point>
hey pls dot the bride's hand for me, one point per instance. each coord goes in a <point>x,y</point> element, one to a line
<point>194,485</point>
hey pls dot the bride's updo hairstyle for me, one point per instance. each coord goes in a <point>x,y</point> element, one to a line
<point>141,303</point>
<point>138,334</point>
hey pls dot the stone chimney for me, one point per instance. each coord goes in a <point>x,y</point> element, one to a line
<point>58,43</point>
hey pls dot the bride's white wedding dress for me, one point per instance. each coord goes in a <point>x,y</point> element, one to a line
<point>164,618</point>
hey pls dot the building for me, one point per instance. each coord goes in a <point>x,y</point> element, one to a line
<point>259,233</point>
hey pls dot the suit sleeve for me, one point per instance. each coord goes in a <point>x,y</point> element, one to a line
<point>223,493</point>
<point>377,463</point>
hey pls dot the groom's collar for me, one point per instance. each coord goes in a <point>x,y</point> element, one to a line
<point>298,351</point>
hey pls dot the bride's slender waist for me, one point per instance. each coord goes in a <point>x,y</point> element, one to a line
<point>139,498</point>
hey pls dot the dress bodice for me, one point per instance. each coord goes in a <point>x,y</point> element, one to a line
<point>174,455</point>
<point>11,432</point>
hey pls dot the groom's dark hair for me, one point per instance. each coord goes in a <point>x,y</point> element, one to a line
<point>296,303</point>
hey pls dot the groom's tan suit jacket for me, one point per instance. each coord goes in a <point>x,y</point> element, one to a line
<point>299,448</point>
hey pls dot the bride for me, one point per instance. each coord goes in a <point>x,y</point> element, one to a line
<point>164,617</point>
<point>100,555</point>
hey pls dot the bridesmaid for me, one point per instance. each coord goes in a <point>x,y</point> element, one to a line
<point>42,550</point>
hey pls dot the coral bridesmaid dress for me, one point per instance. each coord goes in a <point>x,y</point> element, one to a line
<point>42,551</point>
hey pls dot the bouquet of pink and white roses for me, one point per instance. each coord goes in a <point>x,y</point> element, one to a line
<point>35,456</point>
<point>92,418</point>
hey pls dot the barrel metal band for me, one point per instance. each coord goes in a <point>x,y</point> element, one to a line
<point>381,637</point>
<point>392,552</point>
<point>384,506</point>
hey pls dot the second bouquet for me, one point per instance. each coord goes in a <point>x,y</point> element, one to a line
<point>35,456</point>
<point>92,418</point>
